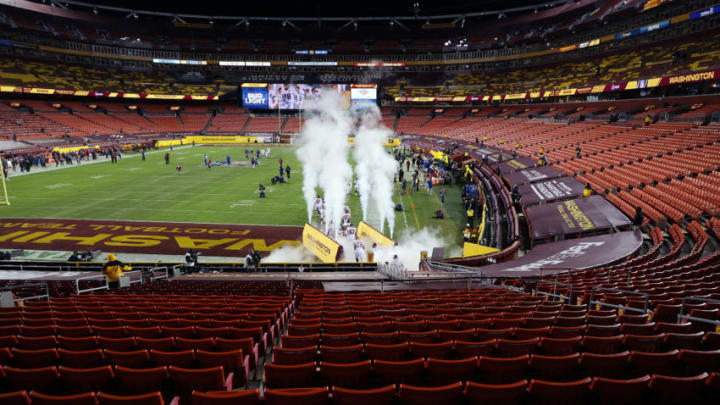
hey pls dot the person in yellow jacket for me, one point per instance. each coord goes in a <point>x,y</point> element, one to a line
<point>113,269</point>
<point>587,192</point>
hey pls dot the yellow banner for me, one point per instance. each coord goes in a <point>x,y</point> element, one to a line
<point>365,231</point>
<point>388,141</point>
<point>473,249</point>
<point>74,148</point>
<point>321,245</point>
<point>218,139</point>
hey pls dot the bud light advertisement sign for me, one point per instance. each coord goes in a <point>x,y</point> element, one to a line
<point>255,97</point>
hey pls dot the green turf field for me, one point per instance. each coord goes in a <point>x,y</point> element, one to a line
<point>150,190</point>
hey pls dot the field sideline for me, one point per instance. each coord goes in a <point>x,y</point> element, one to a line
<point>150,190</point>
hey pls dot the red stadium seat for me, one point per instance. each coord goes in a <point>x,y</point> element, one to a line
<point>447,394</point>
<point>436,350</point>
<point>293,396</point>
<point>677,390</point>
<point>499,370</point>
<point>87,398</point>
<point>555,368</point>
<point>153,398</point>
<point>34,358</point>
<point>34,379</point>
<point>604,365</point>
<point>184,359</point>
<point>134,359</point>
<point>399,372</point>
<point>79,380</point>
<point>77,343</point>
<point>81,358</point>
<point>493,394</point>
<point>608,390</point>
<point>654,363</point>
<point>140,381</point>
<point>118,344</point>
<point>185,381</point>
<point>346,375</point>
<point>395,352</point>
<point>289,376</point>
<point>444,372</point>
<point>15,398</point>
<point>233,361</point>
<point>569,393</point>
<point>379,396</point>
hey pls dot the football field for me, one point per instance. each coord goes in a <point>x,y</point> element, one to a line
<point>150,190</point>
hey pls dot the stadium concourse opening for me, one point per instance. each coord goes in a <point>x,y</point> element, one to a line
<point>498,202</point>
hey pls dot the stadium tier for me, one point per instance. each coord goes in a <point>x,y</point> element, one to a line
<point>492,203</point>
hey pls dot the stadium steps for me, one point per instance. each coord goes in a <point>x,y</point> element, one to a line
<point>426,122</point>
<point>282,127</point>
<point>247,121</point>
<point>209,124</point>
<point>179,119</point>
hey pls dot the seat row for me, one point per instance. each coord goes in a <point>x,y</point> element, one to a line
<point>172,381</point>
<point>232,360</point>
<point>646,389</point>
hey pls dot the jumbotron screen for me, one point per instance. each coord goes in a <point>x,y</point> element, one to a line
<point>295,96</point>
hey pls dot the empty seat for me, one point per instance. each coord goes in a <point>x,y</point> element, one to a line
<point>294,356</point>
<point>446,335</point>
<point>700,360</point>
<point>285,376</point>
<point>399,372</point>
<point>140,381</point>
<point>568,393</point>
<point>443,372</point>
<point>555,368</point>
<point>493,394</point>
<point>395,352</point>
<point>467,349</point>
<point>292,396</point>
<point>134,359</point>
<point>118,344</point>
<point>447,394</point>
<point>612,391</point>
<point>352,375</point>
<point>153,398</point>
<point>383,338</point>
<point>603,345</point>
<point>436,350</point>
<point>512,348</point>
<point>15,398</point>
<point>677,390</point>
<point>87,398</point>
<point>77,343</point>
<point>163,344</point>
<point>82,358</point>
<point>184,359</point>
<point>654,363</point>
<point>34,358</point>
<point>79,380</point>
<point>185,381</point>
<point>499,370</point>
<point>378,396</point>
<point>650,343</point>
<point>233,361</point>
<point>296,342</point>
<point>560,347</point>
<point>32,379</point>
<point>36,342</point>
<point>194,344</point>
<point>604,365</point>
<point>348,339</point>
<point>684,340</point>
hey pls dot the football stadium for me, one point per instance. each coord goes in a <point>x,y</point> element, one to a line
<point>387,203</point>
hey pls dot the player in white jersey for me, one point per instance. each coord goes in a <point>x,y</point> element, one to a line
<point>286,98</point>
<point>350,231</point>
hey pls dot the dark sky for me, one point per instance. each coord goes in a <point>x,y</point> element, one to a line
<point>320,8</point>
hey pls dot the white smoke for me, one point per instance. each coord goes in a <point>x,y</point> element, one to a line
<point>375,169</point>
<point>323,153</point>
<point>290,254</point>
